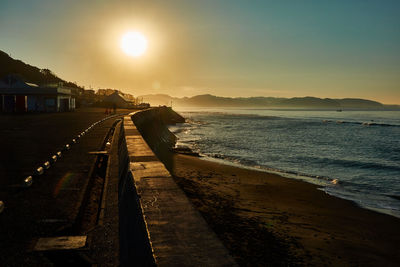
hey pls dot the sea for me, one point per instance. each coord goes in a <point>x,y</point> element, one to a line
<point>350,154</point>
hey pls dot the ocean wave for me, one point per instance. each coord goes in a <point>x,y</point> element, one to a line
<point>195,122</point>
<point>368,123</point>
<point>378,202</point>
<point>178,130</point>
<point>327,180</point>
<point>379,124</point>
<point>357,164</point>
<point>189,115</point>
<point>255,164</point>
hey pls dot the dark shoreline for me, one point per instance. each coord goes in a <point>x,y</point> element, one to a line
<point>300,224</point>
<point>186,150</point>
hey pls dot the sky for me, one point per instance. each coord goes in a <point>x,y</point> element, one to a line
<point>321,48</point>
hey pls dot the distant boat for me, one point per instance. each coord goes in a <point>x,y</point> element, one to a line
<point>339,110</point>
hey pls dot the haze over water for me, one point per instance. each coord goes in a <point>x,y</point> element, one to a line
<point>354,155</point>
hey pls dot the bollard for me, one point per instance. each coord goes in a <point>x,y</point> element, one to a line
<point>54,158</point>
<point>73,141</point>
<point>79,136</point>
<point>39,171</point>
<point>46,165</point>
<point>1,206</point>
<point>28,181</point>
<point>67,147</point>
<point>59,154</point>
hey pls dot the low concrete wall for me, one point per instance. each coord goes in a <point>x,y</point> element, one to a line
<point>155,215</point>
<point>135,249</point>
<point>152,124</point>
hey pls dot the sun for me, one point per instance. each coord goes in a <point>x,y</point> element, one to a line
<point>134,44</point>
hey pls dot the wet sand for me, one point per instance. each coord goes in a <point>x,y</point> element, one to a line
<point>265,219</point>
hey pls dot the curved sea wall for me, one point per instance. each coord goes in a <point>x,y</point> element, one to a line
<point>152,124</point>
<point>158,225</point>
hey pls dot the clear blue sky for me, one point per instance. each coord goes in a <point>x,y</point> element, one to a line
<point>230,48</point>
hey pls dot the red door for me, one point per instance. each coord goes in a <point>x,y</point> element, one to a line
<point>21,103</point>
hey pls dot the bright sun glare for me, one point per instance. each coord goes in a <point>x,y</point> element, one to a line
<point>134,44</point>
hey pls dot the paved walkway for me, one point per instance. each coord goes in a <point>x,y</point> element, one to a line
<point>49,206</point>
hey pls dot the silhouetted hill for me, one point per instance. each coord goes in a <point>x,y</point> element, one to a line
<point>310,102</point>
<point>208,100</point>
<point>360,103</point>
<point>14,67</point>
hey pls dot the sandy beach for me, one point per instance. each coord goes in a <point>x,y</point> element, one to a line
<point>266,219</point>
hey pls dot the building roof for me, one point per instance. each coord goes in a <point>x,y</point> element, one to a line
<point>116,96</point>
<point>35,91</point>
<point>16,86</point>
<point>31,84</point>
<point>17,83</point>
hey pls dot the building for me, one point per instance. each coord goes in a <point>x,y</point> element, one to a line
<point>19,96</point>
<point>105,92</point>
<point>118,100</point>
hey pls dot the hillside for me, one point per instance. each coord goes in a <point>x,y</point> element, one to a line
<point>29,73</point>
<point>208,100</point>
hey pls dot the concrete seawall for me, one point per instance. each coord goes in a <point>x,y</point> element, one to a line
<point>152,125</point>
<point>158,224</point>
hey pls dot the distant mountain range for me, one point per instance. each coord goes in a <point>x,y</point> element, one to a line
<point>208,100</point>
